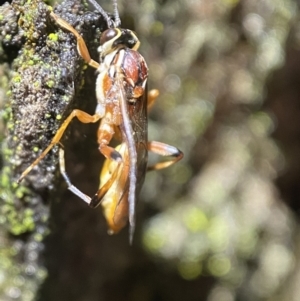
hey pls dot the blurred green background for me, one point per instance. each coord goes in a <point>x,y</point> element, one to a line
<point>222,224</point>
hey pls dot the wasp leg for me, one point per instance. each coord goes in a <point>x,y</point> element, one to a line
<point>106,132</point>
<point>92,202</point>
<point>71,187</point>
<point>82,117</point>
<point>164,150</point>
<point>110,153</point>
<point>81,46</point>
<point>97,198</point>
<point>152,95</point>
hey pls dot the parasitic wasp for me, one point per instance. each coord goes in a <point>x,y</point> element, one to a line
<point>122,104</point>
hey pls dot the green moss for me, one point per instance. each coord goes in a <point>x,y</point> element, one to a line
<point>50,83</point>
<point>38,237</point>
<point>18,229</point>
<point>18,222</point>
<point>7,152</point>
<point>5,177</point>
<point>7,37</point>
<point>21,191</point>
<point>36,84</point>
<point>14,185</point>
<point>6,114</point>
<point>17,78</point>
<point>53,37</point>
<point>65,98</point>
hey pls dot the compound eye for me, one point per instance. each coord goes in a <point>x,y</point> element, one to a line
<point>108,35</point>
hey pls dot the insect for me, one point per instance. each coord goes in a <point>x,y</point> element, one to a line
<point>122,102</point>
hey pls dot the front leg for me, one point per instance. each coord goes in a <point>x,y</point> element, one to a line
<point>81,46</point>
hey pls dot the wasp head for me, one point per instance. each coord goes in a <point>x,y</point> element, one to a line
<point>117,38</point>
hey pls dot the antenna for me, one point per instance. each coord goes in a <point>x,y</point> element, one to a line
<point>109,21</point>
<point>116,13</point>
<point>103,13</point>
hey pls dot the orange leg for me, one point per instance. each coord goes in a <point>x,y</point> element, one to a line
<point>81,46</point>
<point>81,115</point>
<point>97,198</point>
<point>159,147</point>
<point>113,172</point>
<point>152,95</point>
<point>106,132</point>
<point>164,150</point>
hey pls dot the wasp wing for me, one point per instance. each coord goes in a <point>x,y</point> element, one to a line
<point>134,134</point>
